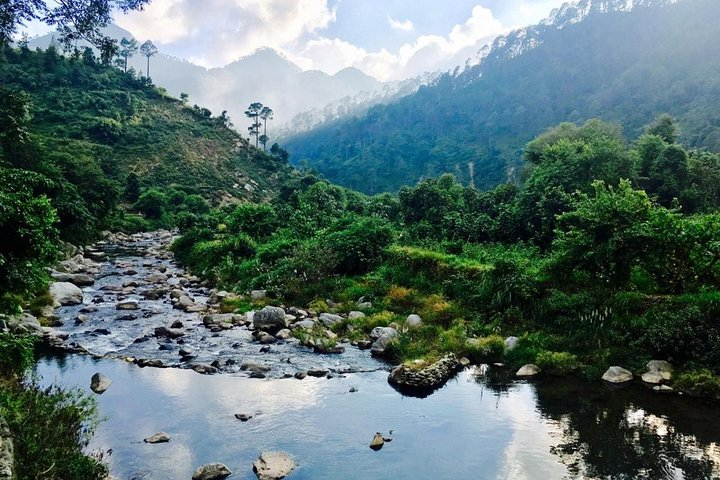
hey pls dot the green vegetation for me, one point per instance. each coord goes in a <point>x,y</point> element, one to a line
<point>50,427</point>
<point>604,255</point>
<point>625,67</point>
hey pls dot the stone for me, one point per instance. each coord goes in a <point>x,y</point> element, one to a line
<point>273,465</point>
<point>300,375</point>
<point>270,319</point>
<point>212,471</point>
<point>7,452</point>
<point>431,376</point>
<point>317,372</point>
<point>79,279</point>
<point>205,369</point>
<point>257,295</point>
<point>413,321</point>
<point>662,368</point>
<point>511,343</point>
<point>176,293</point>
<point>377,442</point>
<point>265,338</point>
<point>383,340</point>
<point>254,368</point>
<point>156,278</point>
<point>65,293</point>
<point>329,319</point>
<point>160,437</point>
<point>99,383</point>
<point>243,417</point>
<point>305,324</point>
<point>355,315</point>
<point>663,389</point>
<point>653,378</point>
<point>168,332</point>
<point>529,370</point>
<point>365,305</point>
<point>128,305</point>
<point>617,375</point>
<point>283,334</point>
<point>353,389</point>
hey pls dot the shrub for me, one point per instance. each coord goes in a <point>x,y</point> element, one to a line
<point>699,383</point>
<point>556,363</point>
<point>16,354</point>
<point>485,349</point>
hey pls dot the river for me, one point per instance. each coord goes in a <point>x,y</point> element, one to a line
<point>482,424</point>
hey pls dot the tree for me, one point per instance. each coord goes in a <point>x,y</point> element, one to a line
<point>266,114</point>
<point>664,127</point>
<point>74,19</point>
<point>128,48</point>
<point>253,112</point>
<point>148,49</point>
<point>184,97</point>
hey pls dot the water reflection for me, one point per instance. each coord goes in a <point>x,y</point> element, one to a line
<point>480,425</point>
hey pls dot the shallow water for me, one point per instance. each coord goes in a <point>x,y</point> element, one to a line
<point>482,424</point>
<point>474,427</point>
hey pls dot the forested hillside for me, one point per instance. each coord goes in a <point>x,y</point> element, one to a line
<point>621,66</point>
<point>79,139</point>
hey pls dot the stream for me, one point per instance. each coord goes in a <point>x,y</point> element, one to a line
<point>482,424</point>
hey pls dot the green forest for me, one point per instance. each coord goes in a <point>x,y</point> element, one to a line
<point>622,67</point>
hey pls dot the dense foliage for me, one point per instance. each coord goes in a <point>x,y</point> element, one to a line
<point>605,254</point>
<point>626,67</point>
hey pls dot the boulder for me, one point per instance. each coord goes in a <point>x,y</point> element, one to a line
<point>383,337</point>
<point>511,343</point>
<point>128,305</point>
<point>270,319</point>
<point>243,417</point>
<point>355,315</point>
<point>254,368</point>
<point>160,437</point>
<point>377,442</point>
<point>156,278</point>
<point>165,332</point>
<point>659,371</point>
<point>273,466</point>
<point>25,323</point>
<point>428,377</point>
<point>306,324</point>
<point>283,334</point>
<point>329,319</point>
<point>212,471</point>
<point>99,383</point>
<point>257,295</point>
<point>529,370</point>
<point>65,293</point>
<point>413,321</point>
<point>617,375</point>
<point>204,369</point>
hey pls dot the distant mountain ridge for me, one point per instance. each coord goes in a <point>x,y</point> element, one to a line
<point>620,60</point>
<point>265,76</point>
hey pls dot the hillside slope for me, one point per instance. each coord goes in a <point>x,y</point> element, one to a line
<point>83,113</point>
<point>613,59</point>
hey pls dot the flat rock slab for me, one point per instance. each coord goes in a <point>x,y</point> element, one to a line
<point>273,465</point>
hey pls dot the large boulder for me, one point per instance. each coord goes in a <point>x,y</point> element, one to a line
<point>273,465</point>
<point>99,383</point>
<point>384,337</point>
<point>329,319</point>
<point>66,293</point>
<point>659,371</point>
<point>212,471</point>
<point>529,370</point>
<point>617,375</point>
<point>428,377</point>
<point>270,319</point>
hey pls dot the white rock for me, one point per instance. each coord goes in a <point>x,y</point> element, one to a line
<point>529,370</point>
<point>617,375</point>
<point>66,293</point>
<point>273,465</point>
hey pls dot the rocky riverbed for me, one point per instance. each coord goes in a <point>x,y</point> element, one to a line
<point>126,298</point>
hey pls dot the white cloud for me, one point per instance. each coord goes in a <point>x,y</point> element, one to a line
<point>220,31</point>
<point>406,26</point>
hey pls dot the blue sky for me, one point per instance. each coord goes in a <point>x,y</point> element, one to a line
<point>389,39</point>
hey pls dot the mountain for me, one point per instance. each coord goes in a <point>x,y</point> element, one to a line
<point>265,76</point>
<point>621,60</point>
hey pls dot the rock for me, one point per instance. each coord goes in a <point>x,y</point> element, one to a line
<point>365,305</point>
<point>243,417</point>
<point>254,368</point>
<point>257,295</point>
<point>223,320</point>
<point>364,344</point>
<point>156,278</point>
<point>383,336</point>
<point>300,375</point>
<point>329,319</point>
<point>160,437</point>
<point>177,324</point>
<point>464,362</point>
<point>212,471</point>
<point>273,466</point>
<point>663,389</point>
<point>511,343</point>
<point>662,368</point>
<point>283,334</point>
<point>65,293</point>
<point>161,332</point>
<point>128,305</point>
<point>413,321</point>
<point>24,323</point>
<point>176,293</point>
<point>184,352</point>
<point>529,370</point>
<point>355,315</point>
<point>99,383</point>
<point>184,303</point>
<point>432,376</point>
<point>317,372</point>
<point>265,338</point>
<point>617,375</point>
<point>305,324</point>
<point>353,389</point>
<point>653,378</point>
<point>79,279</point>
<point>205,369</point>
<point>270,319</point>
<point>377,442</point>
<point>155,293</point>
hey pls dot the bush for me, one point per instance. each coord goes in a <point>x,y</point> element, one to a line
<point>556,363</point>
<point>485,349</point>
<point>699,383</point>
<point>16,354</point>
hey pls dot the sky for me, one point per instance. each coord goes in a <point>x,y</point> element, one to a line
<point>388,39</point>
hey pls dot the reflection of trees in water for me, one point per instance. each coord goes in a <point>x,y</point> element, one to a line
<point>630,434</point>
